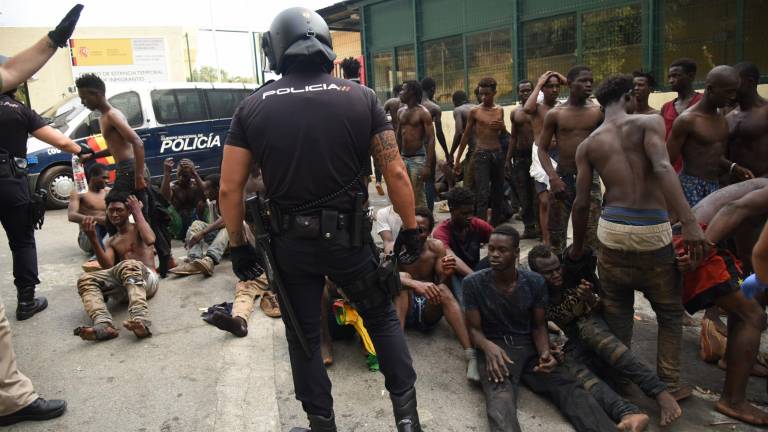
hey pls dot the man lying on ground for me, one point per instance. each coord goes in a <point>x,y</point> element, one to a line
<point>505,311</point>
<point>426,297</point>
<point>573,305</point>
<point>715,281</point>
<point>127,259</point>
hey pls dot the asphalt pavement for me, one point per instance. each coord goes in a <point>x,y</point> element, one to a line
<point>192,377</point>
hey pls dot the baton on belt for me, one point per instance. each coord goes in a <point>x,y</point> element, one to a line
<point>264,244</point>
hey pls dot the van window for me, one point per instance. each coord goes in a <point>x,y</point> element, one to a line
<point>164,105</point>
<point>89,126</point>
<point>178,106</point>
<point>222,103</point>
<point>130,105</point>
<point>190,105</point>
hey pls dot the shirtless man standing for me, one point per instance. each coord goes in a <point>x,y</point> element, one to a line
<point>570,123</point>
<point>486,123</point>
<point>635,235</point>
<point>518,160</point>
<point>127,259</point>
<point>700,135</point>
<point>128,150</point>
<point>426,297</point>
<point>91,204</point>
<point>550,88</point>
<point>429,87</point>
<point>186,195</point>
<point>644,84</point>
<point>681,74</point>
<point>748,125</point>
<point>416,136</point>
<point>461,109</point>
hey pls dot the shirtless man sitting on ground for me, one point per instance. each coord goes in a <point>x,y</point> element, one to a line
<point>92,204</point>
<point>127,259</point>
<point>426,297</point>
<point>186,195</point>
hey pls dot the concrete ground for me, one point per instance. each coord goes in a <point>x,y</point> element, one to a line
<point>192,377</point>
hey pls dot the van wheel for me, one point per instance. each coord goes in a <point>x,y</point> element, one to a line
<point>58,182</point>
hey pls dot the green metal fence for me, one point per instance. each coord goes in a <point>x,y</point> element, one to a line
<point>457,42</point>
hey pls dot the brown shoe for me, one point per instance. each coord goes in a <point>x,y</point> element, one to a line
<point>269,305</point>
<point>185,269</point>
<point>205,265</point>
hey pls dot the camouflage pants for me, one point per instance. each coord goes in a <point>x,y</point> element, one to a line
<point>128,280</point>
<point>245,296</point>
<point>414,165</point>
<point>592,346</point>
<point>560,212</point>
<point>654,274</point>
<point>523,185</point>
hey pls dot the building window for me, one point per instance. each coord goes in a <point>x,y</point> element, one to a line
<point>755,34</point>
<point>405,63</point>
<point>489,54</point>
<point>444,62</point>
<point>704,30</point>
<point>382,74</point>
<point>612,41</point>
<point>549,44</point>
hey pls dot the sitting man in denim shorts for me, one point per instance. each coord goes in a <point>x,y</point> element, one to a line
<point>425,297</point>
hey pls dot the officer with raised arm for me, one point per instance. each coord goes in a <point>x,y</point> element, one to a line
<point>312,135</point>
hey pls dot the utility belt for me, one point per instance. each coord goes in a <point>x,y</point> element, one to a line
<point>347,229</point>
<point>11,166</point>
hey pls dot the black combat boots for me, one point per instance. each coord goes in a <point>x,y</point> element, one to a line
<point>406,416</point>
<point>28,305</point>
<point>318,424</point>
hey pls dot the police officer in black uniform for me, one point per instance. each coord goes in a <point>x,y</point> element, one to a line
<point>17,210</point>
<point>312,135</point>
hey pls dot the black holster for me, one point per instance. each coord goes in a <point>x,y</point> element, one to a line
<point>37,206</point>
<point>375,288</point>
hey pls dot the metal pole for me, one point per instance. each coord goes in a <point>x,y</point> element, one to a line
<point>189,57</point>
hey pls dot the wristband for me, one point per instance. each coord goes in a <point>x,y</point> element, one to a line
<point>730,171</point>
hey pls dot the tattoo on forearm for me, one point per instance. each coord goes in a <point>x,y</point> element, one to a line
<point>384,149</point>
<point>237,238</point>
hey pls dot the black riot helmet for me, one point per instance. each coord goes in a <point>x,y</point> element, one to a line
<point>298,34</point>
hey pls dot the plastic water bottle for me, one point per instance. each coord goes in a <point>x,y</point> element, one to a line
<point>78,173</point>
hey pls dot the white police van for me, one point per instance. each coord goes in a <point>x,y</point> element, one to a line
<point>179,120</point>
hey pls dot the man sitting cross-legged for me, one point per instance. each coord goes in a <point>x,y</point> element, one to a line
<point>591,345</point>
<point>505,313</point>
<point>426,297</point>
<point>128,260</point>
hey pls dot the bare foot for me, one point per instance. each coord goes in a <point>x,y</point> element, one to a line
<point>744,411</point>
<point>670,410</point>
<point>681,393</point>
<point>99,332</point>
<point>327,352</point>
<point>138,327</point>
<point>633,422</point>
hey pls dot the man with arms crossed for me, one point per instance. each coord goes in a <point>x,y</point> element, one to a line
<point>635,235</point>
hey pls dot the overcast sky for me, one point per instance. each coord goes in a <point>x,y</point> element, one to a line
<point>230,51</point>
<point>230,14</point>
